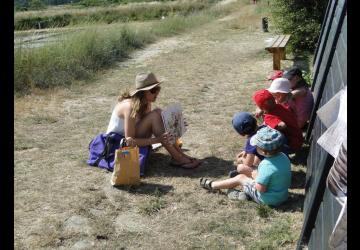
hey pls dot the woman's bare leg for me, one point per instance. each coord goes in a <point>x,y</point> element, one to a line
<point>152,124</point>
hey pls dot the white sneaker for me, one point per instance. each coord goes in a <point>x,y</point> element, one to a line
<point>234,194</point>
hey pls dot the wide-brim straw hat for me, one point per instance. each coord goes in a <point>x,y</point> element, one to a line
<point>145,81</point>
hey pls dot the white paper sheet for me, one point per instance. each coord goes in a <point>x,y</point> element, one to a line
<point>334,116</point>
<point>173,120</point>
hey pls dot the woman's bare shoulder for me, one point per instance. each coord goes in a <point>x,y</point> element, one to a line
<point>124,107</point>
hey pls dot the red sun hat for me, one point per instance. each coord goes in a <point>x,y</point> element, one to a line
<point>261,96</point>
<point>276,74</point>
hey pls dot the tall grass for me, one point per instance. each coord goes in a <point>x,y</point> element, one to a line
<point>121,13</point>
<point>76,57</point>
<point>79,56</point>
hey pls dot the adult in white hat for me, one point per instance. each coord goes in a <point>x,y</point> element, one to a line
<point>280,89</point>
<point>133,118</point>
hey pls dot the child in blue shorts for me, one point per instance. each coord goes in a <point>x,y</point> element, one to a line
<point>270,185</point>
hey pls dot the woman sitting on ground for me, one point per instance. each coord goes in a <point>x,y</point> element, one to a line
<point>133,118</point>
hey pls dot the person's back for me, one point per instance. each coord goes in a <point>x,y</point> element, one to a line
<point>275,173</point>
<point>301,95</point>
<point>303,105</point>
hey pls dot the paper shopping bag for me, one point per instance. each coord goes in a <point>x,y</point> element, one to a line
<point>126,167</point>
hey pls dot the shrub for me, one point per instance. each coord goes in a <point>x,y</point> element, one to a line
<point>37,5</point>
<point>302,19</point>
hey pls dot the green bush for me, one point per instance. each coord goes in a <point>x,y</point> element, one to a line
<point>36,5</point>
<point>302,19</point>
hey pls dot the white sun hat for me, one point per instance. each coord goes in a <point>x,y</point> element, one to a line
<point>280,85</point>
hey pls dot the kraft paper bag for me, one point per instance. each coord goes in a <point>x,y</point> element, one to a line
<point>126,167</point>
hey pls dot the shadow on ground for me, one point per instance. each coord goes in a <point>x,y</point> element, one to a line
<point>159,165</point>
<point>298,179</point>
<point>147,188</point>
<point>300,157</point>
<point>294,203</point>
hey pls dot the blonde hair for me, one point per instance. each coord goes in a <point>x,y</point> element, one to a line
<point>138,104</point>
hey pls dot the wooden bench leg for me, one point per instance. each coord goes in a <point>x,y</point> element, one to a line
<point>276,60</point>
<point>283,54</point>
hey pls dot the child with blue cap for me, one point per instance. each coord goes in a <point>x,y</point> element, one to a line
<point>270,185</point>
<point>247,161</point>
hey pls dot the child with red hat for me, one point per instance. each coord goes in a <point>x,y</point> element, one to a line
<point>278,117</point>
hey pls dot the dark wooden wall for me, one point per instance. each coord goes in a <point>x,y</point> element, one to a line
<point>330,75</point>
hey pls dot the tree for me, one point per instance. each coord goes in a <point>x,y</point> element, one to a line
<point>300,18</point>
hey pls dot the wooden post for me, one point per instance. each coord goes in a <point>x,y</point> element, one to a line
<point>276,60</point>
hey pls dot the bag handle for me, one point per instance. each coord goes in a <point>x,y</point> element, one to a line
<point>123,143</point>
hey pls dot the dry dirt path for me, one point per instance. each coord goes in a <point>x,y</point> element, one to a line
<point>62,203</point>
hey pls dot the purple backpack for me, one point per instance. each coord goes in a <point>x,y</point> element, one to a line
<point>102,151</point>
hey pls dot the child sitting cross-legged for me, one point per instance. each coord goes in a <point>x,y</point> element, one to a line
<point>270,185</point>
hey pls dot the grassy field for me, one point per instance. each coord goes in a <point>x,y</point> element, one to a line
<point>78,55</point>
<point>61,17</point>
<point>212,70</point>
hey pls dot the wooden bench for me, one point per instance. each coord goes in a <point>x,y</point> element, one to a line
<point>277,48</point>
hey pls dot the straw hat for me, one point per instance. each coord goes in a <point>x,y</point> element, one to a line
<point>145,81</point>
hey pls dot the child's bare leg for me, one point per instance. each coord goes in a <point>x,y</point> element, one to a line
<point>228,183</point>
<point>245,169</point>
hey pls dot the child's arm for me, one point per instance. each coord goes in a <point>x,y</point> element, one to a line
<point>298,92</point>
<point>258,112</point>
<point>260,187</point>
<point>241,154</point>
<point>281,126</point>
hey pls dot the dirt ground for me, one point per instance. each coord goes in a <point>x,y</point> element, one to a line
<point>62,203</point>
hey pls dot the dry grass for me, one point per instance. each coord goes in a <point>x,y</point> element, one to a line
<point>60,202</point>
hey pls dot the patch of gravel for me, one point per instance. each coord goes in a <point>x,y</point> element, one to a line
<point>130,222</point>
<point>83,244</point>
<point>226,2</point>
<point>77,224</point>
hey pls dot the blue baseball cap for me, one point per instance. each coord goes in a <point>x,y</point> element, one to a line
<point>244,122</point>
<point>267,139</point>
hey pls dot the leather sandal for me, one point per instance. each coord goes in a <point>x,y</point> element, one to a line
<point>206,183</point>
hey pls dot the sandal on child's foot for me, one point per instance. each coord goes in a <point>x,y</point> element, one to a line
<point>206,183</point>
<point>234,194</point>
